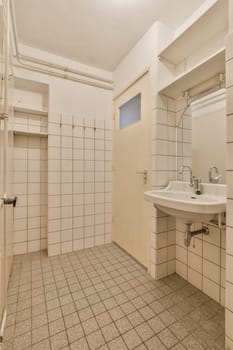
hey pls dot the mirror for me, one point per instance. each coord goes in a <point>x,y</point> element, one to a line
<point>202,136</point>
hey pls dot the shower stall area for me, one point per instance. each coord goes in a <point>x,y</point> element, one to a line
<point>30,165</point>
<point>58,164</point>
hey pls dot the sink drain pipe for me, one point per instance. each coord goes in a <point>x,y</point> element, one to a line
<point>189,234</point>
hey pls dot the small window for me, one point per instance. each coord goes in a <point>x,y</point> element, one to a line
<point>130,112</point>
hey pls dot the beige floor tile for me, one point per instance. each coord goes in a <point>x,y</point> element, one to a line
<point>144,331</point>
<point>110,332</point>
<point>117,344</point>
<point>131,339</point>
<point>74,333</point>
<point>56,326</point>
<point>98,308</point>
<point>43,345</point>
<point>105,293</point>
<point>128,308</point>
<point>135,318</point>
<point>155,343</point>
<point>40,333</point>
<point>116,313</point>
<point>85,314</point>
<point>179,347</point>
<point>23,327</point>
<point>141,347</point>
<point>123,325</point>
<point>168,338</point>
<point>178,330</point>
<point>147,313</point>
<point>39,320</point>
<point>90,326</point>
<point>59,341</point>
<point>95,340</point>
<point>23,315</point>
<point>167,318</point>
<point>191,343</point>
<point>54,314</point>
<point>71,320</point>
<point>103,319</point>
<point>80,344</point>
<point>22,342</point>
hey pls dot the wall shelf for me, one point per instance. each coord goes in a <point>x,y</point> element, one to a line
<point>205,24</point>
<point>30,96</point>
<point>205,70</point>
<point>29,110</point>
<point>30,133</point>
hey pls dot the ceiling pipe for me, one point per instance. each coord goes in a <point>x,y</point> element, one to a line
<point>62,76</point>
<point>65,70</point>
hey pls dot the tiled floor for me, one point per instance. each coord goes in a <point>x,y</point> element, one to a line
<point>101,298</point>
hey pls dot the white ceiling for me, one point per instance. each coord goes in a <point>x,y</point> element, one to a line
<point>94,32</point>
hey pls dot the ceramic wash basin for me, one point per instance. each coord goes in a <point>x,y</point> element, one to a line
<point>179,200</point>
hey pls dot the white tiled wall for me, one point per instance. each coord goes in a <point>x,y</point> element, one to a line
<point>203,263</point>
<point>79,183</point>
<point>163,170</point>
<point>30,215</point>
<point>229,236</point>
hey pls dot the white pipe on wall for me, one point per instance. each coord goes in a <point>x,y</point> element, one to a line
<point>61,75</point>
<point>65,70</point>
<point>4,116</point>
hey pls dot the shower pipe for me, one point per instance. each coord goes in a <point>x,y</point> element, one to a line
<point>177,129</point>
<point>64,69</point>
<point>201,94</point>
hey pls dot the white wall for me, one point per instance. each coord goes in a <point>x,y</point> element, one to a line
<point>142,56</point>
<point>68,96</point>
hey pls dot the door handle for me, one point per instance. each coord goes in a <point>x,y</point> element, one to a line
<point>9,201</point>
<point>144,173</point>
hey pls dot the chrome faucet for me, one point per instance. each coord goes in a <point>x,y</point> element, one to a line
<point>190,173</point>
<point>214,179</point>
<point>194,181</point>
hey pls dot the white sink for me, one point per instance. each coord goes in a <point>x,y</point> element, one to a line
<point>178,200</point>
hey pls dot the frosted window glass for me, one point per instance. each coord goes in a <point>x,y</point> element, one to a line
<point>130,112</point>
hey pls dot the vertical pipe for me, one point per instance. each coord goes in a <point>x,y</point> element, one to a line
<point>177,129</point>
<point>6,39</point>
<point>6,47</point>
